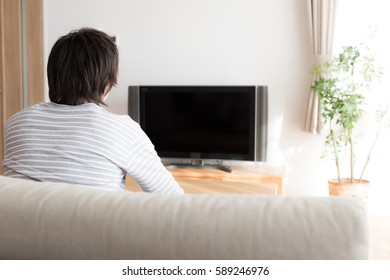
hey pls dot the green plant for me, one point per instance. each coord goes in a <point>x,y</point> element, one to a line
<point>342,83</point>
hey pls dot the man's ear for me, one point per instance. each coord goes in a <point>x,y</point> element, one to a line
<point>106,93</point>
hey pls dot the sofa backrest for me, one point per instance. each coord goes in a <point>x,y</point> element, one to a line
<point>60,221</point>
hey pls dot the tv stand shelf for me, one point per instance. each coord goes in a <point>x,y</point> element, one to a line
<point>242,180</point>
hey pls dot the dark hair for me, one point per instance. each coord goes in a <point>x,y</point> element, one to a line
<point>81,65</point>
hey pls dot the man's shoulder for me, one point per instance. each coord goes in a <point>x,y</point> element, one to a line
<point>27,111</point>
<point>119,119</point>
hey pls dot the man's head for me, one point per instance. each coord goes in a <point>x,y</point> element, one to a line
<point>82,67</point>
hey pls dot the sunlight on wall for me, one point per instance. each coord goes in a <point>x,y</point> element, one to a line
<point>276,156</point>
<point>355,22</point>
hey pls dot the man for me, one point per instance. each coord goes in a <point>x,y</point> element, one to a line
<point>73,139</point>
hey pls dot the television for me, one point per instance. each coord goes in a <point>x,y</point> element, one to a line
<point>200,123</point>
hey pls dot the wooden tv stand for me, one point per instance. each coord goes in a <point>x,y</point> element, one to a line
<point>242,180</point>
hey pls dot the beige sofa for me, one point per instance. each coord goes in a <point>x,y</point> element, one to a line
<point>60,221</point>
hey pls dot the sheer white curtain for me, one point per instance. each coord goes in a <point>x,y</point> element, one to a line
<point>322,14</point>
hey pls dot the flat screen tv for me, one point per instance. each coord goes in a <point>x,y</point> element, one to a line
<point>203,122</point>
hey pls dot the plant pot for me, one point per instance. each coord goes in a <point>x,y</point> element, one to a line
<point>357,190</point>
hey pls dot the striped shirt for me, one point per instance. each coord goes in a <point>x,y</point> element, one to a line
<point>84,145</point>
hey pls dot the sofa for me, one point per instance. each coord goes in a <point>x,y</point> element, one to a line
<point>61,221</point>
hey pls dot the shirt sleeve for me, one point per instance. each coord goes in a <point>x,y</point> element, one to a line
<point>146,168</point>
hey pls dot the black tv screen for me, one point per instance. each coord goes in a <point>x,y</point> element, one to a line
<point>201,122</point>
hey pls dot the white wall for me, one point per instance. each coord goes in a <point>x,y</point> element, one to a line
<point>352,28</point>
<point>214,42</point>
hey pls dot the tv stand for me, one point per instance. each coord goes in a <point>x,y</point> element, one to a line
<point>241,180</point>
<point>200,164</point>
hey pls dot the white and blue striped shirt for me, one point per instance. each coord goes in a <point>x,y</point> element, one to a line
<point>85,145</point>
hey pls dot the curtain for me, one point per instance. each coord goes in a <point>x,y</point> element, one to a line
<point>322,14</point>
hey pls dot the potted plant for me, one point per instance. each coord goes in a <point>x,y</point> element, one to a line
<point>342,84</point>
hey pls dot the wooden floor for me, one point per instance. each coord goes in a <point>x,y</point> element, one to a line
<point>380,237</point>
